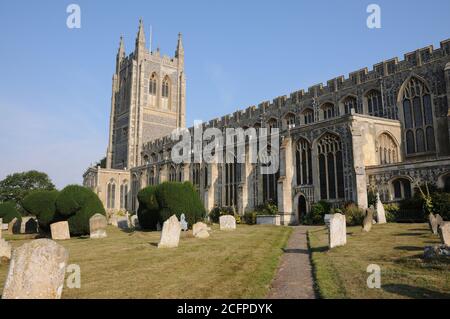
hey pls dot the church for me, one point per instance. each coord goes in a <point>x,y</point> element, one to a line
<point>384,130</point>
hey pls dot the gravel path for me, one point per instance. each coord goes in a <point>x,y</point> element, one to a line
<point>294,279</point>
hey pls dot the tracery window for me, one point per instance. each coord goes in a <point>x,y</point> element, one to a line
<point>111,195</point>
<point>387,150</point>
<point>401,188</point>
<point>331,167</point>
<point>374,103</point>
<point>328,111</point>
<point>270,182</point>
<point>303,162</point>
<point>124,195</point>
<point>350,103</point>
<point>418,117</point>
<point>308,116</point>
<point>152,85</point>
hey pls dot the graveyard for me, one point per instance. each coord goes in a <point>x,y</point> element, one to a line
<point>397,248</point>
<point>128,263</point>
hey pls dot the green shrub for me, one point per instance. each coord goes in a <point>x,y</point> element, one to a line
<point>77,205</point>
<point>354,215</point>
<point>8,212</point>
<point>317,213</point>
<point>148,211</point>
<point>216,212</point>
<point>268,208</point>
<point>391,212</point>
<point>42,204</point>
<point>158,203</point>
<point>441,204</point>
<point>250,218</point>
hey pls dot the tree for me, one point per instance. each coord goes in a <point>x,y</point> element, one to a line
<point>18,185</point>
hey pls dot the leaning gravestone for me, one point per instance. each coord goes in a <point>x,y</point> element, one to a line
<point>60,230</point>
<point>368,220</point>
<point>200,230</point>
<point>134,221</point>
<point>337,234</point>
<point>381,214</point>
<point>5,250</point>
<point>444,233</point>
<point>433,223</point>
<point>36,271</point>
<point>28,225</point>
<point>439,220</point>
<point>183,222</point>
<point>170,235</point>
<point>227,222</point>
<point>97,226</point>
<point>14,226</point>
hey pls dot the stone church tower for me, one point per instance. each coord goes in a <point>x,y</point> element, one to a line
<point>148,100</point>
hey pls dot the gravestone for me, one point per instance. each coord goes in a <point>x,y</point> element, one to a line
<point>381,214</point>
<point>134,221</point>
<point>337,234</point>
<point>113,220</point>
<point>123,222</point>
<point>36,271</point>
<point>368,220</point>
<point>5,250</point>
<point>439,220</point>
<point>444,233</point>
<point>183,222</point>
<point>97,226</point>
<point>28,225</point>
<point>200,230</point>
<point>60,230</point>
<point>170,235</point>
<point>227,222</point>
<point>433,223</point>
<point>14,226</point>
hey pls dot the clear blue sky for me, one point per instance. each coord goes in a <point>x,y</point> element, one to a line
<point>55,83</point>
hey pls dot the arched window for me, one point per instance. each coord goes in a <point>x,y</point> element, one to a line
<point>145,160</point>
<point>111,195</point>
<point>308,116</point>
<point>289,121</point>
<point>401,189</point>
<point>124,195</point>
<point>272,123</point>
<point>303,163</point>
<point>374,103</point>
<point>350,103</point>
<point>328,111</point>
<point>387,149</point>
<point>196,175</point>
<point>172,174</point>
<point>152,85</point>
<point>135,189</point>
<point>270,182</point>
<point>418,117</point>
<point>151,177</point>
<point>331,167</point>
<point>165,92</point>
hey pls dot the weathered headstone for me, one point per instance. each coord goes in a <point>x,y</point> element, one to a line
<point>227,222</point>
<point>28,225</point>
<point>200,230</point>
<point>113,220</point>
<point>433,223</point>
<point>170,235</point>
<point>439,220</point>
<point>97,226</point>
<point>337,234</point>
<point>60,230</point>
<point>36,271</point>
<point>5,250</point>
<point>368,220</point>
<point>381,214</point>
<point>183,222</point>
<point>134,221</point>
<point>444,233</point>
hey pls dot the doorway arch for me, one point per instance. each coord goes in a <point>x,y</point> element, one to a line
<point>301,207</point>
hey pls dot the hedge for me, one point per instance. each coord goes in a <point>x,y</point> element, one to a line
<point>77,204</point>
<point>42,204</point>
<point>8,212</point>
<point>158,203</point>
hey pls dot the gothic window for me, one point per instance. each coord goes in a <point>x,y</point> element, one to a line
<point>172,174</point>
<point>374,103</point>
<point>418,117</point>
<point>152,85</point>
<point>308,116</point>
<point>350,103</point>
<point>196,175</point>
<point>135,189</point>
<point>387,149</point>
<point>111,195</point>
<point>328,111</point>
<point>401,188</point>
<point>123,195</point>
<point>145,160</point>
<point>272,123</point>
<point>303,162</point>
<point>331,169</point>
<point>165,92</point>
<point>289,121</point>
<point>270,183</point>
<point>151,177</point>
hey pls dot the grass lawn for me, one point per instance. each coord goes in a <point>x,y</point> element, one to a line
<point>229,264</point>
<point>396,248</point>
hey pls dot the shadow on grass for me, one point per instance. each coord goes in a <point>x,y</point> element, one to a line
<point>407,234</point>
<point>414,292</point>
<point>295,251</point>
<point>154,244</point>
<point>409,248</point>
<point>320,249</point>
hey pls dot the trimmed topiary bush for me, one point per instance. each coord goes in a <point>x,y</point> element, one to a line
<point>77,204</point>
<point>8,212</point>
<point>42,204</point>
<point>158,203</point>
